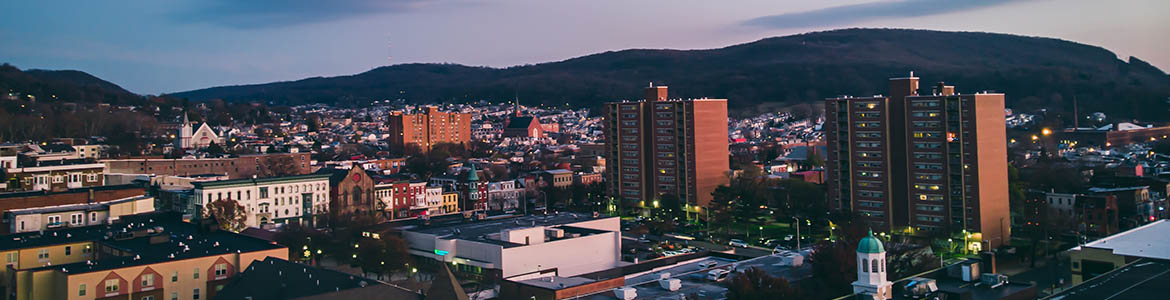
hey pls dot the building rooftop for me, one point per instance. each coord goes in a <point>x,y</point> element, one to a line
<point>519,122</point>
<point>557,282</point>
<point>252,181</point>
<point>74,207</point>
<point>1143,279</point>
<point>73,190</point>
<point>1148,241</point>
<point>146,238</point>
<point>1116,189</point>
<point>475,229</point>
<point>274,278</point>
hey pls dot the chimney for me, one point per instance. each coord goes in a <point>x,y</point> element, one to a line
<point>656,93</point>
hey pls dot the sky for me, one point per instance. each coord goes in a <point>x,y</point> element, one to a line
<point>161,46</point>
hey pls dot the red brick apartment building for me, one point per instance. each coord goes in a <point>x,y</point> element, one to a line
<point>658,146</point>
<point>428,128</point>
<point>915,162</point>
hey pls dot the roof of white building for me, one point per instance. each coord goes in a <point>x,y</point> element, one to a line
<point>1148,241</point>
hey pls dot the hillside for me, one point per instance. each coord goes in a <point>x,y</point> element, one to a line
<point>67,85</point>
<point>1034,72</point>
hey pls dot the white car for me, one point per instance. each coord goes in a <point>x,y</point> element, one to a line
<point>717,275</point>
<point>737,243</point>
<point>708,264</point>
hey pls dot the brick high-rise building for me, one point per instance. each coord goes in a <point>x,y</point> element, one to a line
<point>428,128</point>
<point>915,162</point>
<point>658,146</point>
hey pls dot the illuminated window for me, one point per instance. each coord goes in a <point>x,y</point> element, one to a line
<point>111,285</point>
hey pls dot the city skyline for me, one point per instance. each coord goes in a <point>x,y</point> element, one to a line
<point>153,48</point>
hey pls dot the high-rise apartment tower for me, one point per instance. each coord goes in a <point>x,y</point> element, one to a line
<point>920,163</point>
<point>658,146</point>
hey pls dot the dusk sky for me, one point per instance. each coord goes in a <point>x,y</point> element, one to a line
<point>152,47</point>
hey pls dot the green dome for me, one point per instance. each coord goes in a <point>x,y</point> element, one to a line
<point>870,244</point>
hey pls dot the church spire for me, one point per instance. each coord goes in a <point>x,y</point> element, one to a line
<point>516,104</point>
<point>185,122</point>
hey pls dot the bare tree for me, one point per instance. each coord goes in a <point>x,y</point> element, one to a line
<point>228,213</point>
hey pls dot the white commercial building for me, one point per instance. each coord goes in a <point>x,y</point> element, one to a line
<point>567,244</point>
<point>287,199</point>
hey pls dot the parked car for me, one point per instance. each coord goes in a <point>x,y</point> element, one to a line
<point>708,264</point>
<point>717,275</point>
<point>737,243</point>
<point>771,243</point>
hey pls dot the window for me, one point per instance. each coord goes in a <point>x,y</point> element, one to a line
<point>86,250</point>
<point>175,276</point>
<point>927,145</point>
<point>928,176</point>
<point>196,273</point>
<point>864,265</point>
<point>924,187</point>
<point>927,155</point>
<point>147,280</point>
<point>263,192</point>
<point>869,114</point>
<point>148,297</point>
<point>930,207</point>
<point>930,218</point>
<point>81,290</point>
<point>174,295</point>
<point>76,219</point>
<point>43,254</point>
<point>54,220</point>
<point>871,154</point>
<point>875,266</point>
<point>926,124</point>
<point>933,103</point>
<point>867,124</point>
<point>927,134</point>
<point>925,114</point>
<point>925,166</point>
<point>869,105</point>
<point>195,294</point>
<point>111,285</point>
<point>68,250</point>
<point>10,257</point>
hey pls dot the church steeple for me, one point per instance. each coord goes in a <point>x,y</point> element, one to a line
<point>516,105</point>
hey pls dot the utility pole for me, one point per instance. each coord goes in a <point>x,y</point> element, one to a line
<point>797,234</point>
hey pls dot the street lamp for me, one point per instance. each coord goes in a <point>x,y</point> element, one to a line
<point>797,233</point>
